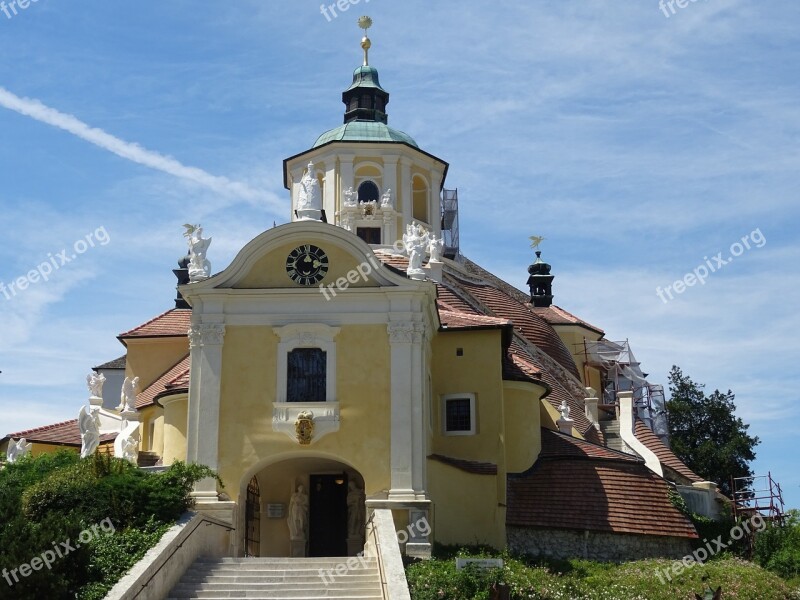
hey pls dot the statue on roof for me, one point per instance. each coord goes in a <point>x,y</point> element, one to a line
<point>564,410</point>
<point>415,240</point>
<point>17,450</point>
<point>309,200</point>
<point>127,397</point>
<point>95,381</point>
<point>350,198</point>
<point>435,247</point>
<point>199,266</point>
<point>89,423</point>
<point>386,199</point>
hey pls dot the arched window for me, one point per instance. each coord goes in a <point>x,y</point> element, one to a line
<point>368,191</point>
<point>419,190</point>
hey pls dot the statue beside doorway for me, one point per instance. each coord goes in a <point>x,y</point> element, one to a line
<point>356,518</point>
<point>298,521</point>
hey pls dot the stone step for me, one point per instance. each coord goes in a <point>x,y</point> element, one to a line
<point>361,576</point>
<point>309,563</point>
<point>266,570</point>
<point>281,579</point>
<point>298,594</point>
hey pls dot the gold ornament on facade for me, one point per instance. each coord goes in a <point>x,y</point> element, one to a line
<point>304,427</point>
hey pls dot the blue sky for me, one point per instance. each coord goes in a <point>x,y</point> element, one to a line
<point>639,144</point>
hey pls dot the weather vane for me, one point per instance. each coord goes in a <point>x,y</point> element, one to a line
<point>365,23</point>
<point>536,240</point>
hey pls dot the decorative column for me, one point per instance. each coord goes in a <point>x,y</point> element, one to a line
<point>434,202</point>
<point>407,418</point>
<point>346,173</point>
<point>590,402</point>
<point>406,203</point>
<point>390,183</point>
<point>205,343</point>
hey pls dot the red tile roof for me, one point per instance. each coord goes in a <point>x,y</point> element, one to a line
<point>555,315</point>
<point>175,380</point>
<point>396,261</point>
<point>517,366</point>
<point>460,320</point>
<point>470,466</point>
<point>592,489</point>
<point>664,454</point>
<point>535,329</point>
<point>448,296</point>
<point>173,323</point>
<point>558,445</point>
<point>67,433</point>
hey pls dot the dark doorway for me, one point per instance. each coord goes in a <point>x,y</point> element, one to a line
<point>327,534</point>
<point>371,235</point>
<point>253,520</point>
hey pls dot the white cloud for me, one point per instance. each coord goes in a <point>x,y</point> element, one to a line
<point>131,151</point>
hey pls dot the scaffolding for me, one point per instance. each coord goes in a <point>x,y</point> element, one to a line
<point>621,372</point>
<point>757,495</point>
<point>450,223</point>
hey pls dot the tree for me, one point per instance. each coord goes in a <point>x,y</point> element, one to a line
<point>705,432</point>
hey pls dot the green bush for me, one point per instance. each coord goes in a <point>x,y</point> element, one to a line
<point>54,497</point>
<point>585,580</point>
<point>777,548</point>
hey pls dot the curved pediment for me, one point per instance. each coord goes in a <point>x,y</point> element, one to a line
<point>261,264</point>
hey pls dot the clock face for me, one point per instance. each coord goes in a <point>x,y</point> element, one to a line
<point>307,264</point>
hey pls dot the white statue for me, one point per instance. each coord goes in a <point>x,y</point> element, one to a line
<point>130,450</point>
<point>386,199</point>
<point>356,511</point>
<point>89,422</point>
<point>127,397</point>
<point>126,445</point>
<point>415,240</point>
<point>350,198</point>
<point>298,514</point>
<point>435,247</point>
<point>199,266</point>
<point>310,198</point>
<point>17,450</point>
<point>564,410</point>
<point>95,383</point>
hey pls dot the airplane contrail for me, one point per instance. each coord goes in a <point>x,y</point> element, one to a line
<point>34,109</point>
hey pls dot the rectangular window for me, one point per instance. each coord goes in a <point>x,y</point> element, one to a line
<point>371,235</point>
<point>306,375</point>
<point>458,414</point>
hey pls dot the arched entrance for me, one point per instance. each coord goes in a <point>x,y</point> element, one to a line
<point>303,507</point>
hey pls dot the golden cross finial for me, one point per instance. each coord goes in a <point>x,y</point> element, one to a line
<point>365,23</point>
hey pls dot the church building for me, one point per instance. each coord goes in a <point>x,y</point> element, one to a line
<point>353,359</point>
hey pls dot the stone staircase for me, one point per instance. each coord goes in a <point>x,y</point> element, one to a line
<point>148,459</point>
<point>610,430</point>
<point>281,579</point>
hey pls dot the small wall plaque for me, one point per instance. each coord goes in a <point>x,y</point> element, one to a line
<point>275,511</point>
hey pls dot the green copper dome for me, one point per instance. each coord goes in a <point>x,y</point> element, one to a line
<point>365,77</point>
<point>365,131</point>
